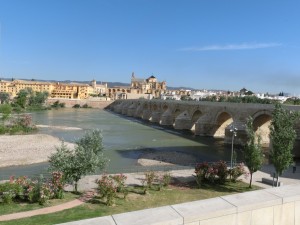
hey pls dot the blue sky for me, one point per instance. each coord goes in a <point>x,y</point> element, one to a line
<point>211,44</point>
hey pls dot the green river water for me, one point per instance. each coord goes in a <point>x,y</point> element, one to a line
<point>124,139</point>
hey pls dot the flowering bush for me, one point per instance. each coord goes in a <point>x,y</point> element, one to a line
<point>150,177</point>
<point>222,171</point>
<point>107,189</point>
<point>21,186</point>
<point>237,171</point>
<point>205,172</point>
<point>200,171</point>
<point>57,185</point>
<point>32,190</point>
<point>211,174</point>
<point>44,194</point>
<point>120,181</point>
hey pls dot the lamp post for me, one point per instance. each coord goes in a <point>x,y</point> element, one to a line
<point>233,130</point>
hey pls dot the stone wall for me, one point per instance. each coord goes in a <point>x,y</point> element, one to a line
<point>69,103</point>
<point>204,118</point>
<point>274,206</point>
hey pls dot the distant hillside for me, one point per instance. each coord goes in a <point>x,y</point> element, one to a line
<point>179,88</point>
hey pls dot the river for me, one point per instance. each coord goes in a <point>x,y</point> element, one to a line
<point>124,140</point>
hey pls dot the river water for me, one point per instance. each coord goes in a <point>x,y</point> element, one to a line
<point>124,139</point>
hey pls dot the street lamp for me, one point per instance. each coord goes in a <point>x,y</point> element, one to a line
<point>233,130</point>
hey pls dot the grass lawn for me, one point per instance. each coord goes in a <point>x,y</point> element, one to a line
<point>174,194</point>
<point>24,206</point>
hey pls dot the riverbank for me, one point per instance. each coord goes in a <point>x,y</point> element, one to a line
<point>27,149</point>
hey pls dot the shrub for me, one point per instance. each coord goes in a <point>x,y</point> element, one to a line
<point>201,171</point>
<point>211,174</point>
<point>58,104</point>
<point>166,179</point>
<point>107,189</point>
<point>62,105</point>
<point>120,181</point>
<point>8,197</point>
<point>76,106</point>
<point>150,177</point>
<point>7,192</point>
<point>222,171</point>
<point>237,171</point>
<point>57,185</point>
<point>24,189</point>
<point>44,194</point>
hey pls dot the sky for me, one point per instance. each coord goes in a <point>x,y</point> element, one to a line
<point>202,44</point>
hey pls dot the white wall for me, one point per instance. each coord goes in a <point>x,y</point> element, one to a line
<point>274,206</point>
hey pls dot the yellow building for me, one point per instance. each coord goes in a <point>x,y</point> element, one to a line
<point>13,87</point>
<point>55,90</point>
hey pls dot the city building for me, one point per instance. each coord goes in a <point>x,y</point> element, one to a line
<point>139,88</point>
<point>55,89</point>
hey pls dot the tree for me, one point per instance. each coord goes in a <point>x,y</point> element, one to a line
<point>253,154</point>
<point>85,158</point>
<point>5,110</point>
<point>4,97</point>
<point>21,98</point>
<point>38,98</point>
<point>282,136</point>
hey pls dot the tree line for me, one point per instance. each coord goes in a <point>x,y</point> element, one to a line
<point>282,139</point>
<point>25,99</point>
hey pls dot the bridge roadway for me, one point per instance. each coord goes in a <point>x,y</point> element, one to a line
<point>204,118</point>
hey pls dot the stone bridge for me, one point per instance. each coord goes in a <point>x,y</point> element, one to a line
<point>204,118</point>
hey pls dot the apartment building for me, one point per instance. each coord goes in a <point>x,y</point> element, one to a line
<point>55,89</point>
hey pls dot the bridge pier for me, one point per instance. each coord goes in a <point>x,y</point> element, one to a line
<point>146,114</point>
<point>131,110</point>
<point>155,118</point>
<point>167,118</point>
<point>183,121</point>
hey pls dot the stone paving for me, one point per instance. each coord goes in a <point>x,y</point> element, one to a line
<point>288,177</point>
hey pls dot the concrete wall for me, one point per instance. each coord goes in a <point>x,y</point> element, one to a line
<point>69,103</point>
<point>274,206</point>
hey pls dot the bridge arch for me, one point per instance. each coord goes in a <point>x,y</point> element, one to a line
<point>261,124</point>
<point>145,106</point>
<point>176,113</point>
<point>223,119</point>
<point>164,110</point>
<point>139,110</point>
<point>195,117</point>
<point>154,107</point>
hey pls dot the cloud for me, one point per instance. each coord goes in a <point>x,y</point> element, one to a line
<point>244,46</point>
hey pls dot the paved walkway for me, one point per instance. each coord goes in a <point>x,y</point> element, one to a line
<point>47,210</point>
<point>88,184</point>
